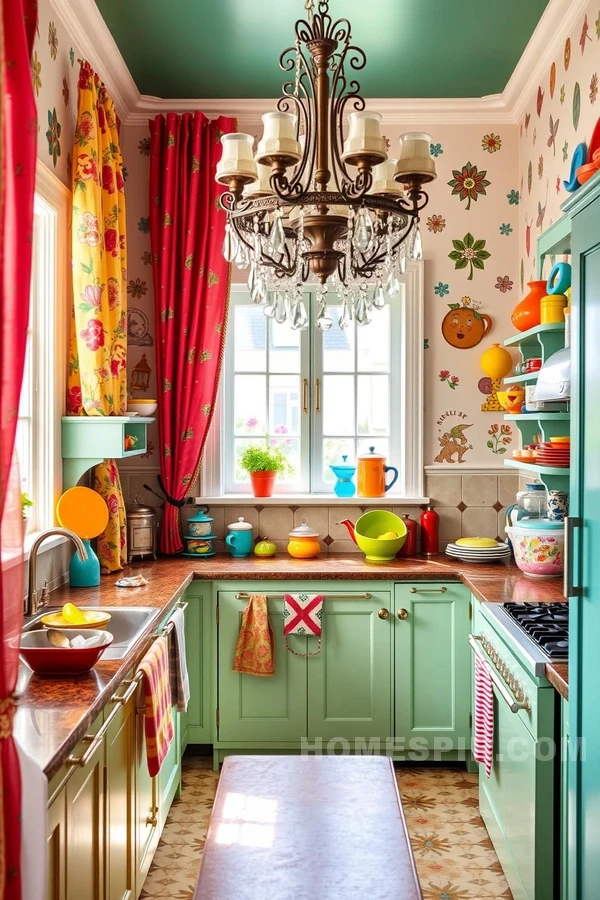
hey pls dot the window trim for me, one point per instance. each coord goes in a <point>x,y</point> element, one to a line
<point>51,362</point>
<point>409,317</point>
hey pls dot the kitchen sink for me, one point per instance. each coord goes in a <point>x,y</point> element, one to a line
<point>127,625</point>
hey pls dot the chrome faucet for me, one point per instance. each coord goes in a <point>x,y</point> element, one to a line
<point>36,599</point>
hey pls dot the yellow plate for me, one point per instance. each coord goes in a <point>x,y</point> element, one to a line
<point>560,440</point>
<point>83,511</point>
<point>476,542</point>
<point>95,618</point>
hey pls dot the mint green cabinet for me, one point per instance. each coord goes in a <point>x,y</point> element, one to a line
<point>197,724</point>
<point>564,801</point>
<point>432,666</point>
<point>349,682</point>
<point>254,708</point>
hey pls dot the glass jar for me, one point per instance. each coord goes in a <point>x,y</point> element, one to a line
<point>533,501</point>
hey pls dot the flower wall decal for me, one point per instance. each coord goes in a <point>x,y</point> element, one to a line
<point>576,105</point>
<point>436,223</point>
<point>468,183</point>
<point>513,198</point>
<point>441,289</point>
<point>144,146</point>
<point>52,40</point>
<point>53,136</point>
<point>137,288</point>
<point>435,150</point>
<point>500,437</point>
<point>469,253</point>
<point>36,73</point>
<point>451,380</point>
<point>593,88</point>
<point>144,224</point>
<point>491,142</point>
<point>505,229</point>
<point>503,283</point>
<point>553,132</point>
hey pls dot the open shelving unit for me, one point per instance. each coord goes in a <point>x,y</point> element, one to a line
<point>88,440</point>
<point>542,341</point>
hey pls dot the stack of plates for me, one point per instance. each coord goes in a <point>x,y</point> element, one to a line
<point>478,550</point>
<point>556,453</point>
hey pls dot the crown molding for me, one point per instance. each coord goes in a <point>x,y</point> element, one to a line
<point>94,42</point>
<point>548,38</point>
<point>91,36</point>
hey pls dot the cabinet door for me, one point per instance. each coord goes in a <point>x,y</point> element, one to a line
<point>253,708</point>
<point>198,721</point>
<point>146,813</point>
<point>120,804</point>
<point>432,665</point>
<point>85,828</point>
<point>56,842</point>
<point>169,776</point>
<point>349,682</point>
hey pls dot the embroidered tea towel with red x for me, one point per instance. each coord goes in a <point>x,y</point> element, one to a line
<point>302,614</point>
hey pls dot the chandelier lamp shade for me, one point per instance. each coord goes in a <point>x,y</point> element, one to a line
<point>319,200</point>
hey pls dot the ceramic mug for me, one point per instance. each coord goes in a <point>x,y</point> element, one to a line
<point>558,505</point>
<point>240,542</point>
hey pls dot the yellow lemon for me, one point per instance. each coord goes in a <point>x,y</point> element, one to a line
<point>388,536</point>
<point>73,615</point>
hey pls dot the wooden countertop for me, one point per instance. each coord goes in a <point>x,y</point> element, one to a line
<point>54,713</point>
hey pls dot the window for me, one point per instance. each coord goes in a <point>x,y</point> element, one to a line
<point>319,396</point>
<point>42,392</point>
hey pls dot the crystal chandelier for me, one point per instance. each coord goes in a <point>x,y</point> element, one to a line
<point>319,200</point>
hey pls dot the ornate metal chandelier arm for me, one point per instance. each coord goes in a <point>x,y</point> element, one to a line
<point>417,200</point>
<point>296,98</point>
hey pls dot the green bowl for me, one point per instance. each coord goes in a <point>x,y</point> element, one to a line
<point>370,526</point>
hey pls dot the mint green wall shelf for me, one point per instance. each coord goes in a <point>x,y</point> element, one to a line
<point>87,440</point>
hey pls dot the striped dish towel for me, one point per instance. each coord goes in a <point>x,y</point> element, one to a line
<point>483,737</point>
<point>180,682</point>
<point>157,691</point>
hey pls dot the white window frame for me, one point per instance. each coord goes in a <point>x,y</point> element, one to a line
<point>52,298</point>
<point>406,389</point>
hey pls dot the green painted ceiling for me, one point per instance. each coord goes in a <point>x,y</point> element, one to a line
<point>230,48</point>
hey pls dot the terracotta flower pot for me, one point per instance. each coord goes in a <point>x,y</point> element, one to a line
<point>527,313</point>
<point>263,483</point>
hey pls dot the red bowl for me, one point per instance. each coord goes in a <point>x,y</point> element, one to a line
<point>585,172</point>
<point>43,658</point>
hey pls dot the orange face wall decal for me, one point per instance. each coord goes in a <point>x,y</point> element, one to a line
<point>464,326</point>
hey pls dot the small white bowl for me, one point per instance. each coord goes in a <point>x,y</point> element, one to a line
<point>142,407</point>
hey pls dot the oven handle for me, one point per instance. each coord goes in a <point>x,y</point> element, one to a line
<point>513,704</point>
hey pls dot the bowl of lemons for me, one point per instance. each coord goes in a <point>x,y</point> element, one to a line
<point>380,535</point>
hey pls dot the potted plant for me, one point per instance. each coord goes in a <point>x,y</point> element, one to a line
<point>26,505</point>
<point>263,464</point>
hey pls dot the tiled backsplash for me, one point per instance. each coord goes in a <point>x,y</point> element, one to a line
<point>467,505</point>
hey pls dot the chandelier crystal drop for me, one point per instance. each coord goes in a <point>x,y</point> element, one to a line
<point>319,201</point>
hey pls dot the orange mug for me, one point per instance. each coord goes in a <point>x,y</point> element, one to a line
<point>370,475</point>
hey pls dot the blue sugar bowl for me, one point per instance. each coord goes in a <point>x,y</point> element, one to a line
<point>344,486</point>
<point>200,525</point>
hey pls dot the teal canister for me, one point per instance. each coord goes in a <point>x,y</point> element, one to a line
<point>239,539</point>
<point>86,572</point>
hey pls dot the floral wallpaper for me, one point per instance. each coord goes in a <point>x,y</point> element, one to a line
<point>54,71</point>
<point>562,112</point>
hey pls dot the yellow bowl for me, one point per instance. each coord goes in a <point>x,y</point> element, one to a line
<point>512,399</point>
<point>95,618</point>
<point>370,526</point>
<point>560,440</point>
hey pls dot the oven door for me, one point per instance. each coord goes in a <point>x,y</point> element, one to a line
<point>516,801</point>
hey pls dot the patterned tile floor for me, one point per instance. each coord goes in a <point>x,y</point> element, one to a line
<point>454,855</point>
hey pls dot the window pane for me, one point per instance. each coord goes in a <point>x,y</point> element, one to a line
<point>374,343</point>
<point>250,404</point>
<point>290,447</point>
<point>284,404</point>
<point>23,446</point>
<point>333,450</point>
<point>241,476</point>
<point>338,404</point>
<point>250,328</point>
<point>338,345</point>
<point>284,348</point>
<point>373,405</point>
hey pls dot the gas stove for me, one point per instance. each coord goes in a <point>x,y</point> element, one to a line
<point>541,630</point>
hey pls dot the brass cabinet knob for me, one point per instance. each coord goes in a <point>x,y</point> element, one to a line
<point>152,819</point>
<point>403,614</point>
<point>384,613</point>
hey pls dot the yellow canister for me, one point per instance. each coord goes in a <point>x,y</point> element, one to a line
<point>552,308</point>
<point>304,542</point>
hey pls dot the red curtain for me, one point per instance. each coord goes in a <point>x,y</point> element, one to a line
<point>18,130</point>
<point>191,287</point>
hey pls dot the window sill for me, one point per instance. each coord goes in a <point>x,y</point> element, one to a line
<point>309,500</point>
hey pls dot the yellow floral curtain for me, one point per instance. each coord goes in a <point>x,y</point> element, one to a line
<point>97,381</point>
